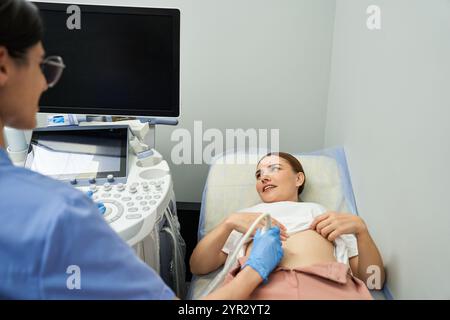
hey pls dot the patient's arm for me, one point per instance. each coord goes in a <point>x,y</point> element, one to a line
<point>208,254</point>
<point>368,257</point>
<point>331,225</point>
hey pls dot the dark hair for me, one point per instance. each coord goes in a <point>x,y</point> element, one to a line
<point>21,27</point>
<point>295,165</point>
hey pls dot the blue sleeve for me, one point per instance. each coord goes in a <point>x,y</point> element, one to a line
<point>85,259</point>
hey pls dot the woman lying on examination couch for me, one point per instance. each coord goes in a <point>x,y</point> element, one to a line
<point>327,255</point>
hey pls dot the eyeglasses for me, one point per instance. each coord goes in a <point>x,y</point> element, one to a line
<point>270,171</point>
<point>52,67</point>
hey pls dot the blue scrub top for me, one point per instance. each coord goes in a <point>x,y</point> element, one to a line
<point>46,227</point>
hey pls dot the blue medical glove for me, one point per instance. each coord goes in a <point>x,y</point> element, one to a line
<point>266,252</point>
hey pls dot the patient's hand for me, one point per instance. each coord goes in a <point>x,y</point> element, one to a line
<point>333,224</point>
<point>241,221</point>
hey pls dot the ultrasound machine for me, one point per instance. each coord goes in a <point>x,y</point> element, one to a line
<point>121,80</point>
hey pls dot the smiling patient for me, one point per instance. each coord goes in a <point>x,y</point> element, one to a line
<point>326,254</point>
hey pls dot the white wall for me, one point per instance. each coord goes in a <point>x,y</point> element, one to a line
<point>249,64</point>
<point>389,105</point>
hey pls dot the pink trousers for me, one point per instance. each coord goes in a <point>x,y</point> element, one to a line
<point>323,281</point>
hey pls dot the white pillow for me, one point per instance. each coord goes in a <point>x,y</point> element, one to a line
<point>231,187</point>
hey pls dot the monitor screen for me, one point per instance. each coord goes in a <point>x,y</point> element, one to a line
<point>122,61</point>
<point>80,153</point>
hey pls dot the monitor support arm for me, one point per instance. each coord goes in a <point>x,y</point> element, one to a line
<point>149,137</point>
<point>143,129</point>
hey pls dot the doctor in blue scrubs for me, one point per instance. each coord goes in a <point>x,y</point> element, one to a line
<point>54,243</point>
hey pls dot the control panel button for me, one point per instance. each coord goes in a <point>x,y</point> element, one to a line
<point>93,188</point>
<point>92,180</point>
<point>107,212</point>
<point>110,178</point>
<point>107,186</point>
<point>133,216</point>
<point>114,210</point>
<point>126,198</point>
<point>134,209</point>
<point>73,181</point>
<point>120,187</point>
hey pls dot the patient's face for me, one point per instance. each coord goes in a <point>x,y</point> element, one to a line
<point>276,180</point>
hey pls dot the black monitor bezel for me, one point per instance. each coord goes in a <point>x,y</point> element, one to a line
<point>173,12</point>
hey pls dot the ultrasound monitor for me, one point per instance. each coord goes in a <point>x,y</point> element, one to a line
<point>122,61</point>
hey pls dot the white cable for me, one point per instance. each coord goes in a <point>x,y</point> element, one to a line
<point>230,262</point>
<point>175,249</point>
<point>175,261</point>
<point>178,256</point>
